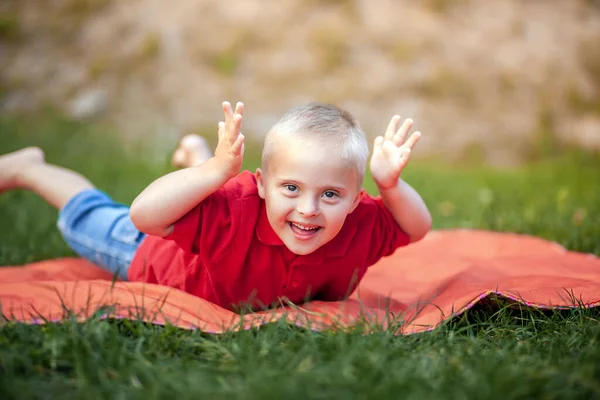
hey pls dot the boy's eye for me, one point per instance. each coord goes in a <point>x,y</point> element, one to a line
<point>330,194</point>
<point>291,188</point>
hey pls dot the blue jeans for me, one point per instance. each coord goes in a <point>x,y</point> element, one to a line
<point>99,229</point>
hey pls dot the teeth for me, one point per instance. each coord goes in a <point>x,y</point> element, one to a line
<point>305,228</point>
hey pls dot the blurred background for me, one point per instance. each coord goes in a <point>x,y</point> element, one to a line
<point>500,82</point>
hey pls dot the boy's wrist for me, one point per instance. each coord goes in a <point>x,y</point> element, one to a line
<point>223,169</point>
<point>387,186</point>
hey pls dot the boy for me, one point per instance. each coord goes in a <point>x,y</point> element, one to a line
<point>299,228</point>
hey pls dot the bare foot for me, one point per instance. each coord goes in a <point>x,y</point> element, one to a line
<point>12,164</point>
<point>193,150</point>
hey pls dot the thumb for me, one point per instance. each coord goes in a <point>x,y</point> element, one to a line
<point>221,130</point>
<point>237,148</point>
<point>377,144</point>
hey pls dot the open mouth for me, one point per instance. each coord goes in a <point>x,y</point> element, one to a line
<point>304,231</point>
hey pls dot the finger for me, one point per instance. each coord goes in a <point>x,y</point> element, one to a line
<point>234,130</point>
<point>392,127</point>
<point>238,146</point>
<point>391,153</point>
<point>228,114</point>
<point>412,140</point>
<point>239,108</point>
<point>404,158</point>
<point>400,136</point>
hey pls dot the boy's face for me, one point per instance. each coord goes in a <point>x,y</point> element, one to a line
<point>308,193</point>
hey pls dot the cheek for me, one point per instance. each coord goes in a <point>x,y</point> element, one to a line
<point>336,215</point>
<point>278,206</point>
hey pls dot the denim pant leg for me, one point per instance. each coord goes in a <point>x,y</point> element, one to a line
<point>99,229</point>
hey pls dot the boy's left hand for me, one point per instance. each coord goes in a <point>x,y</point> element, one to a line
<point>391,153</point>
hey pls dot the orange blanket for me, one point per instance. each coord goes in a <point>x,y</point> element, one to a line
<point>415,289</point>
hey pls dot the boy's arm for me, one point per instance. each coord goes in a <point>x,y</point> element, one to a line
<point>408,208</point>
<point>390,155</point>
<point>172,196</point>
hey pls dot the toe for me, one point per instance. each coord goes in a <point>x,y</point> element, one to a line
<point>179,158</point>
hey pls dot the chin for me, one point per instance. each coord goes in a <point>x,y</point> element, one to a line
<point>300,252</point>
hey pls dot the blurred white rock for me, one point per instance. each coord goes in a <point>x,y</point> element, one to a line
<point>88,104</point>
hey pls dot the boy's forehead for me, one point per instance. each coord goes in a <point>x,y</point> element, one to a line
<point>298,149</point>
<point>305,162</point>
<point>296,139</point>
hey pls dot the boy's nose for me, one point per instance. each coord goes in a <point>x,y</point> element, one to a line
<point>308,207</point>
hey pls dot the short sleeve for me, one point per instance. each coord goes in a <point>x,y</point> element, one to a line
<point>210,227</point>
<point>386,235</point>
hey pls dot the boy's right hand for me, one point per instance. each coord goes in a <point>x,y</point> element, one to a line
<point>166,200</point>
<point>230,149</point>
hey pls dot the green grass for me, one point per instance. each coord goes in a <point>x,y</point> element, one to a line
<point>492,351</point>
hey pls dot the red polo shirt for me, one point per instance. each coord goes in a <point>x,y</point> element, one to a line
<point>225,251</point>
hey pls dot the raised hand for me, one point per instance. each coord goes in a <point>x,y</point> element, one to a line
<point>391,152</point>
<point>230,148</point>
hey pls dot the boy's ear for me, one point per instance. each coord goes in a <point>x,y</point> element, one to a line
<point>357,199</point>
<point>260,183</point>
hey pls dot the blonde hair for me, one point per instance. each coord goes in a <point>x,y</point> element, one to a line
<point>327,125</point>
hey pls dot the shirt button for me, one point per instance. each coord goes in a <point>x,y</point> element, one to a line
<point>295,284</point>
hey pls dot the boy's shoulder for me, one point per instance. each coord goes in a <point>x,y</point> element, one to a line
<point>370,209</point>
<point>368,204</point>
<point>241,186</point>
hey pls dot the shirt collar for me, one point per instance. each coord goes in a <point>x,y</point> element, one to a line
<point>337,247</point>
